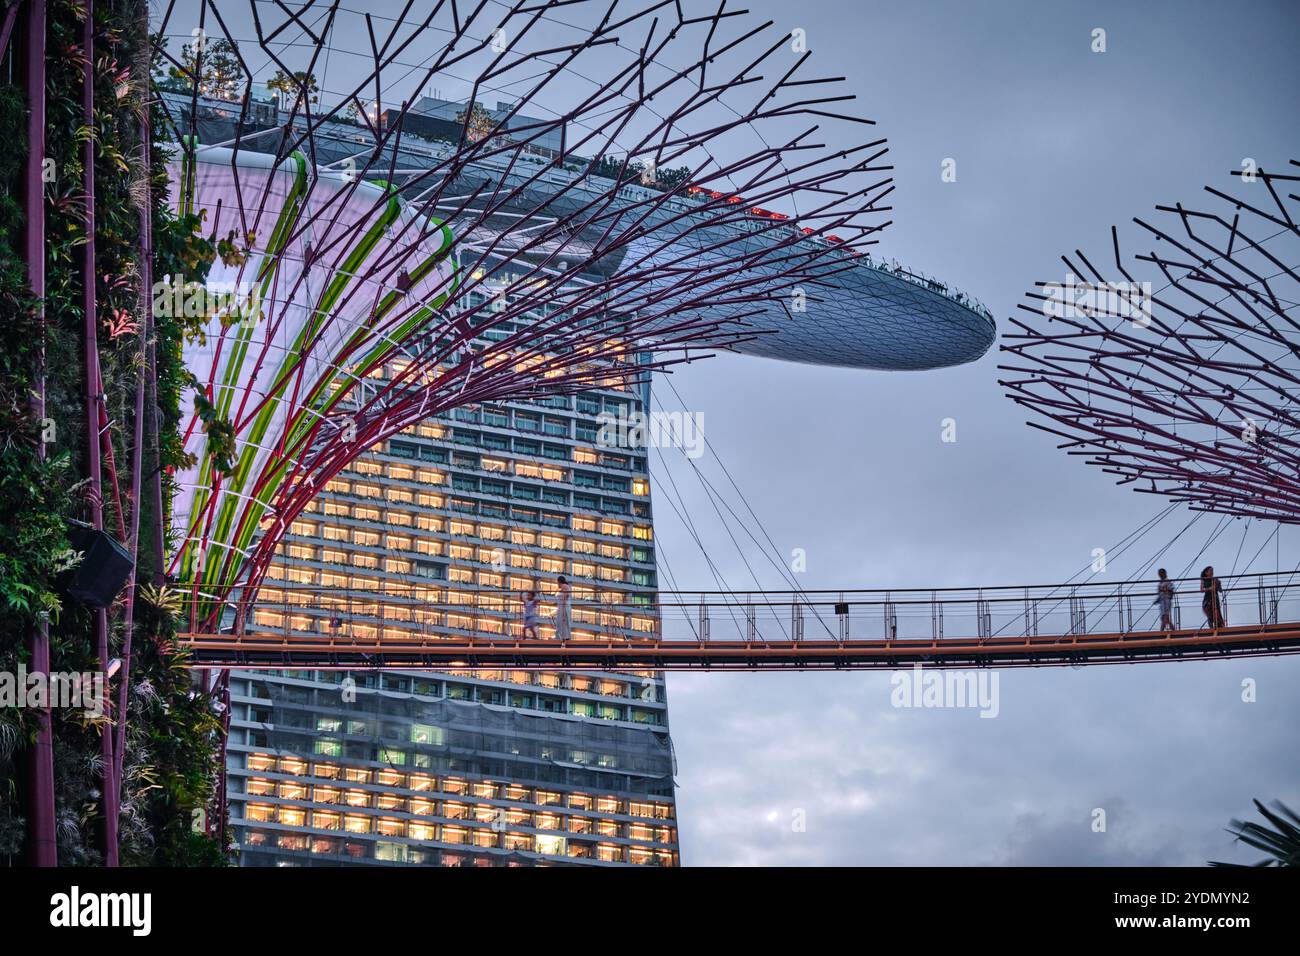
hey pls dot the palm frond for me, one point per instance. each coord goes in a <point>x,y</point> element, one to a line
<point>1282,844</point>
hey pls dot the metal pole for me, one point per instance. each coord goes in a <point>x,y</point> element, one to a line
<point>91,380</point>
<point>40,825</point>
<point>153,415</point>
<point>142,373</point>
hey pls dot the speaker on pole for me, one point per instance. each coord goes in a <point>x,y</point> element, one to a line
<point>98,579</point>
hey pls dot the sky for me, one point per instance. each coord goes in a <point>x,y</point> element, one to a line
<point>1053,143</point>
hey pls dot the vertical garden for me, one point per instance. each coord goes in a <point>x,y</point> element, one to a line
<point>164,746</point>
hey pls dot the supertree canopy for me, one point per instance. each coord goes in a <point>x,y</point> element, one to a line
<point>1180,372</point>
<point>587,231</point>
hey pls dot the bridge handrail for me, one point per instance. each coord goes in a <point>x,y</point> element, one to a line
<point>874,597</point>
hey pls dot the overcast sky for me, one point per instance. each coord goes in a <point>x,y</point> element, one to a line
<point>1053,144</point>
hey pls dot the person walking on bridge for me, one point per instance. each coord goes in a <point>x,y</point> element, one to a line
<point>1212,599</point>
<point>530,614</point>
<point>1165,598</point>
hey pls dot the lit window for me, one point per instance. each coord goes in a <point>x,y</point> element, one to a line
<point>551,845</point>
<point>421,831</point>
<point>292,816</point>
<point>426,734</point>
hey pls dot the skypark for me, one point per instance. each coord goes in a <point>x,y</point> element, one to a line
<point>421,626</point>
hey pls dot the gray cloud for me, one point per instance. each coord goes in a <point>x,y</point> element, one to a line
<point>1053,145</point>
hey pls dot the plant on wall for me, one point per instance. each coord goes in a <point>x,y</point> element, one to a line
<point>171,738</point>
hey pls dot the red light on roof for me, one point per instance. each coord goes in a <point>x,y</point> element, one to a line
<point>735,199</point>
<point>834,239</point>
<point>806,230</point>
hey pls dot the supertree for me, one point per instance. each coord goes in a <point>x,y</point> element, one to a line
<point>1180,374</point>
<point>499,257</point>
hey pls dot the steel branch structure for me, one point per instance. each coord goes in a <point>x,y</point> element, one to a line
<point>1188,386</point>
<point>333,268</point>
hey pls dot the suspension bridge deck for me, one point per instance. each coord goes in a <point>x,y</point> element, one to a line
<point>270,651</point>
<point>432,627</point>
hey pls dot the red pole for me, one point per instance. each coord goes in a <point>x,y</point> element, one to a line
<point>91,378</point>
<point>40,833</point>
<point>141,65</point>
<point>153,418</point>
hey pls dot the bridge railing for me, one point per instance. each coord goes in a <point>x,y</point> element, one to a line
<point>1120,608</point>
<point>405,612</point>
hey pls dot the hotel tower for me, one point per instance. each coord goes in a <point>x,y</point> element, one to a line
<point>449,524</point>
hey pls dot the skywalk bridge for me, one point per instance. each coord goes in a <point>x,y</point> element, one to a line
<point>428,626</point>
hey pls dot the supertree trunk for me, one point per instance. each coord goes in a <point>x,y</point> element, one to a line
<point>41,832</point>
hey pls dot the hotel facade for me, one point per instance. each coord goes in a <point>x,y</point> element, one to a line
<point>449,524</point>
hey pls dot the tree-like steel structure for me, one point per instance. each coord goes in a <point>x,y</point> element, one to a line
<point>1186,385</point>
<point>391,253</point>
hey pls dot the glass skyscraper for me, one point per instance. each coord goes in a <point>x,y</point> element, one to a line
<point>448,525</point>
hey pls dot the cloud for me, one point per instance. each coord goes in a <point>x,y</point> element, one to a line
<point>849,467</point>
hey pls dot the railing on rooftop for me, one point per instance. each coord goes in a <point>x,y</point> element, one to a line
<point>631,190</point>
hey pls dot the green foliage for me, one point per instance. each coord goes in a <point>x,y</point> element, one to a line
<point>230,252</point>
<point>172,734</point>
<point>1281,841</point>
<point>220,431</point>
<point>618,169</point>
<point>294,87</point>
<point>215,64</point>
<point>478,122</point>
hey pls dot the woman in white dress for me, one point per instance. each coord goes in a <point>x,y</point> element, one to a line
<point>562,610</point>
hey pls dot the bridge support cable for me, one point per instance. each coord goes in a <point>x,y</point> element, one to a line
<point>715,498</point>
<point>683,515</point>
